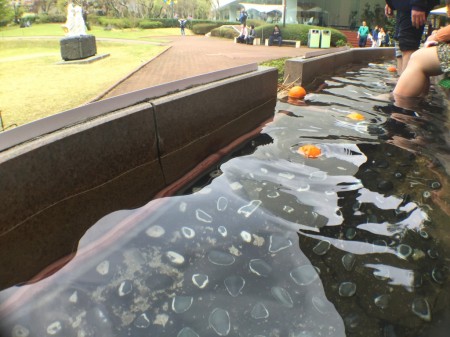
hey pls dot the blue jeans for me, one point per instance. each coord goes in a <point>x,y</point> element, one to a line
<point>272,39</point>
<point>362,41</point>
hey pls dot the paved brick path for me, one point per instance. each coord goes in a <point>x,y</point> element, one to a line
<point>194,55</point>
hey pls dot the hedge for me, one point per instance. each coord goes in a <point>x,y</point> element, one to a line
<point>48,18</point>
<point>203,28</point>
<point>290,32</point>
<point>119,23</point>
<point>299,32</point>
<point>226,32</point>
<point>147,24</point>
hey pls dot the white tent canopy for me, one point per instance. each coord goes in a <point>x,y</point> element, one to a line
<point>314,9</point>
<point>262,8</point>
<point>439,11</point>
<point>223,3</point>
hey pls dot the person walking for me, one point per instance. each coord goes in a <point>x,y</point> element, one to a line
<point>363,33</point>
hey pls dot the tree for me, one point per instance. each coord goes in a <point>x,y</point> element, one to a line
<point>46,5</point>
<point>6,12</point>
<point>198,9</point>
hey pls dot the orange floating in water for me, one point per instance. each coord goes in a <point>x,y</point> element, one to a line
<point>356,116</point>
<point>392,69</point>
<point>310,151</point>
<point>297,92</point>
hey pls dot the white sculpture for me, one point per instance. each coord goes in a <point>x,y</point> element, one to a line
<point>74,25</point>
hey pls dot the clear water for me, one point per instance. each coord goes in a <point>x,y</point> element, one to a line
<point>353,243</point>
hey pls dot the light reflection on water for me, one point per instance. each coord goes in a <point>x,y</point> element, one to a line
<point>352,243</point>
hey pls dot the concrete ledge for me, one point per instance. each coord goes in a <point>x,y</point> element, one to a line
<point>50,124</point>
<point>87,60</point>
<point>304,71</point>
<point>256,41</point>
<point>297,43</point>
<point>54,187</point>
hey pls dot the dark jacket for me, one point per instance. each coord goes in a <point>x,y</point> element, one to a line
<point>418,5</point>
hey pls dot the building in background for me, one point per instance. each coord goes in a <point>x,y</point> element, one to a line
<point>336,13</point>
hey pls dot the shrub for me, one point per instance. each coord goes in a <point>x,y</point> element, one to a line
<point>93,19</point>
<point>341,43</point>
<point>279,64</point>
<point>49,18</point>
<point>146,24</point>
<point>167,23</point>
<point>119,23</point>
<point>225,32</point>
<point>203,28</point>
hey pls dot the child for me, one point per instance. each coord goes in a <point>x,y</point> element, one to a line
<point>182,25</point>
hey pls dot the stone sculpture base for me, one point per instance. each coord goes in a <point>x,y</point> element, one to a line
<point>78,47</point>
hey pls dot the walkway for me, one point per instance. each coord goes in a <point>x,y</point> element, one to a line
<point>194,55</point>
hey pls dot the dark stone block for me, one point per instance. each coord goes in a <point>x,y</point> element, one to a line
<point>78,47</point>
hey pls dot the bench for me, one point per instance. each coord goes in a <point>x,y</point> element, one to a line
<point>296,42</point>
<point>256,41</point>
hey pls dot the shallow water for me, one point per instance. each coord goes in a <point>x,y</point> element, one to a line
<point>353,243</point>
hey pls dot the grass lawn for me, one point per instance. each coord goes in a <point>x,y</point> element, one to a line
<point>34,86</point>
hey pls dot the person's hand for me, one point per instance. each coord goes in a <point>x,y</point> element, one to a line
<point>431,41</point>
<point>388,11</point>
<point>418,18</point>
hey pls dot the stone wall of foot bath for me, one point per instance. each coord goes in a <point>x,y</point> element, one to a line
<point>56,185</point>
<point>304,70</point>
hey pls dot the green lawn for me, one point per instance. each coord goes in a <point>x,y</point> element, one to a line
<point>33,85</point>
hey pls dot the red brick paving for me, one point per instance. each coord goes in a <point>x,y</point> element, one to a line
<point>194,55</point>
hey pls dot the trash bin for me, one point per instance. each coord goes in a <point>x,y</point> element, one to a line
<point>314,38</point>
<point>325,38</point>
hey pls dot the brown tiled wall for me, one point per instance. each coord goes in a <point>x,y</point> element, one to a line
<point>55,187</point>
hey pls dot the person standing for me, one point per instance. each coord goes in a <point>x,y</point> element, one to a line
<point>375,32</point>
<point>363,33</point>
<point>243,17</point>
<point>182,25</point>
<point>411,16</point>
<point>381,38</point>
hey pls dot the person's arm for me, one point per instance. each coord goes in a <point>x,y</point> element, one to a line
<point>420,10</point>
<point>423,5</point>
<point>442,35</point>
